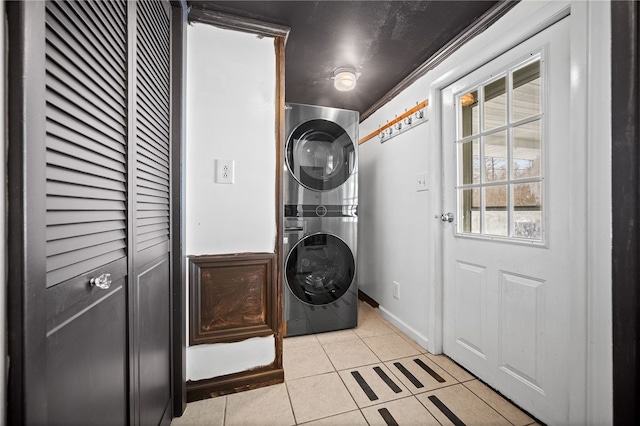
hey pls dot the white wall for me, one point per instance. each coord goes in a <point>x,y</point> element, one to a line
<point>393,229</point>
<point>230,114</point>
<point>398,229</point>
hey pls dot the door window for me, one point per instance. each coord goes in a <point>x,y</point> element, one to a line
<point>499,151</point>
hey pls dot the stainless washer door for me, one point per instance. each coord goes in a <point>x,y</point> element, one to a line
<point>320,155</point>
<point>320,269</point>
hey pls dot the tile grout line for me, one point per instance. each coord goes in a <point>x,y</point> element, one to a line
<point>433,358</point>
<point>293,413</point>
<point>500,396</point>
<point>224,411</point>
<point>486,403</point>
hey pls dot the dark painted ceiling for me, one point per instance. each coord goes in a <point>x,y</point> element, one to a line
<point>383,40</point>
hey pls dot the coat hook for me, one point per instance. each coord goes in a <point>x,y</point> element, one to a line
<point>408,119</point>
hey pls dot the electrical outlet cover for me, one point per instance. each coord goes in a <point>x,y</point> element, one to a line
<point>224,171</point>
<point>421,182</point>
<point>396,290</point>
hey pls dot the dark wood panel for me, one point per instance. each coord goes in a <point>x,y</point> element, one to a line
<point>232,297</point>
<point>232,383</point>
<point>279,46</point>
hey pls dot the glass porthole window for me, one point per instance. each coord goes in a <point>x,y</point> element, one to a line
<point>319,269</point>
<point>320,155</point>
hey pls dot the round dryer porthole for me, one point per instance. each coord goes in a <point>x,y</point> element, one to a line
<point>320,155</point>
<point>319,269</point>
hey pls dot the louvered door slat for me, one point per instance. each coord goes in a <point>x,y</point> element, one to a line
<point>152,125</point>
<point>56,174</point>
<point>114,150</point>
<point>154,81</point>
<point>58,115</point>
<point>152,174</point>
<point>151,153</point>
<point>153,227</point>
<point>99,38</point>
<point>149,160</point>
<point>88,89</point>
<point>94,82</point>
<point>78,229</point>
<point>152,112</point>
<point>83,103</point>
<point>149,145</point>
<point>80,115</point>
<point>58,34</point>
<point>147,184</point>
<point>69,189</point>
<point>67,162</point>
<point>152,106</point>
<point>148,46</point>
<point>77,242</point>
<point>56,218</point>
<point>82,39</point>
<point>72,150</point>
<point>152,192</point>
<point>142,214</point>
<point>149,134</point>
<point>86,125</point>
<point>150,221</point>
<point>60,40</point>
<point>82,204</point>
<point>156,14</point>
<point>107,25</point>
<point>153,77</point>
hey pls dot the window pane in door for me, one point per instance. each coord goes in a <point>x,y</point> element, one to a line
<point>495,104</point>
<point>470,114</point>
<point>527,215</point>
<point>495,157</point>
<point>470,214</point>
<point>470,162</point>
<point>496,216</point>
<point>527,150</point>
<point>526,91</point>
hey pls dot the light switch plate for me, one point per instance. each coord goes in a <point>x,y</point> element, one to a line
<point>224,171</point>
<point>421,182</point>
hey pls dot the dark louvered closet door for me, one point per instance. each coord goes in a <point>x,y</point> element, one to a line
<point>152,182</point>
<point>86,217</point>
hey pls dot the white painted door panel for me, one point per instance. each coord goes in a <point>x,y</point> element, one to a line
<point>507,303</point>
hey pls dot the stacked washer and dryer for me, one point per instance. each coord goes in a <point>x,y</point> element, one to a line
<point>320,291</point>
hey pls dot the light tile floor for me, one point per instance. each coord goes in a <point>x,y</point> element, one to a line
<point>372,375</point>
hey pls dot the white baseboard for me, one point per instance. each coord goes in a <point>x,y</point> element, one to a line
<point>411,332</point>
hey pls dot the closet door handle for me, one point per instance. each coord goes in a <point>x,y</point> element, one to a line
<point>103,281</point>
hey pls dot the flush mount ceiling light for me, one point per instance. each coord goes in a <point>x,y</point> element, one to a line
<point>344,79</point>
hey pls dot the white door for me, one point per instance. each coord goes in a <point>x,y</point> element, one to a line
<point>516,239</point>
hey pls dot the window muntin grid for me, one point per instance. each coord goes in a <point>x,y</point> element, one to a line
<point>500,179</point>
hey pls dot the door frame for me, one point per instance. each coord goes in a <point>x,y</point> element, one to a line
<point>625,53</point>
<point>180,12</point>
<point>26,198</point>
<point>590,382</point>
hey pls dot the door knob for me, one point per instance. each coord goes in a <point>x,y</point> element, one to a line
<point>447,217</point>
<point>103,281</point>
